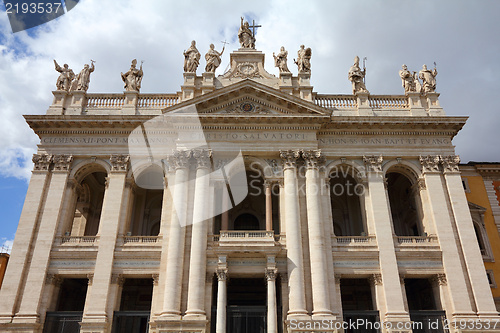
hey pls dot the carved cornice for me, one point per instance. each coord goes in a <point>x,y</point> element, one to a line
<point>289,158</point>
<point>450,163</point>
<point>271,274</point>
<point>202,157</point>
<point>62,162</point>
<point>222,274</point>
<point>313,158</point>
<point>430,163</point>
<point>119,162</point>
<point>42,162</point>
<point>373,163</point>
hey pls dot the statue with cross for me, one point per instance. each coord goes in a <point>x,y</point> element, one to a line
<point>247,36</point>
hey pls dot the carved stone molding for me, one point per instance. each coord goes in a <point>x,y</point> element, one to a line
<point>156,279</point>
<point>450,163</point>
<point>338,277</point>
<point>117,279</point>
<point>289,158</point>
<point>62,162</point>
<point>275,166</point>
<point>202,157</point>
<point>90,277</point>
<point>429,163</point>
<point>312,158</point>
<point>53,279</point>
<point>119,162</point>
<point>373,163</point>
<point>376,279</point>
<point>271,274</point>
<point>42,162</point>
<point>440,279</point>
<point>420,185</point>
<point>221,274</point>
<point>180,159</point>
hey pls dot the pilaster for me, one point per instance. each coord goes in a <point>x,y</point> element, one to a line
<point>364,108</point>
<point>95,316</point>
<point>208,83</point>
<point>433,105</point>
<point>78,102</point>
<point>189,86</point>
<point>305,88</point>
<point>415,103</point>
<point>35,281</point>
<point>59,103</point>
<point>220,325</point>
<point>381,214</point>
<point>130,103</point>
<point>466,233</point>
<point>286,84</point>
<point>10,293</point>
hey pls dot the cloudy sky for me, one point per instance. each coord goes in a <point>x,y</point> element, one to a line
<point>461,36</point>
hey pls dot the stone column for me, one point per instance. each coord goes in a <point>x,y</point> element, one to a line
<point>319,268</point>
<point>220,324</point>
<point>35,281</point>
<point>20,255</point>
<point>470,248</point>
<point>269,205</point>
<point>297,300</point>
<point>95,316</point>
<point>272,314</point>
<point>198,261</point>
<point>176,236</point>
<point>381,215</point>
<point>443,224</point>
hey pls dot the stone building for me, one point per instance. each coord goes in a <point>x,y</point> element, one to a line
<point>299,211</point>
<point>481,181</point>
<point>4,260</point>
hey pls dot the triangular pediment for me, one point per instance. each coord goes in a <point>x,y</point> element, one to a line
<point>249,98</point>
<point>476,207</point>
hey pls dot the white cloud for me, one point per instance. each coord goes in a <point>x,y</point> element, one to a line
<point>459,37</point>
<point>6,245</point>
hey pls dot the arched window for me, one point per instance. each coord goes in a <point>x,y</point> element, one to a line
<point>477,215</point>
<point>246,222</point>
<point>403,201</point>
<point>88,208</point>
<point>345,196</point>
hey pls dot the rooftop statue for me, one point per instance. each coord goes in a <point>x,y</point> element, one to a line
<point>408,79</point>
<point>357,76</point>
<point>133,77</point>
<point>213,59</point>
<point>83,78</point>
<point>191,58</point>
<point>246,36</point>
<point>280,60</point>
<point>65,78</point>
<point>304,59</point>
<point>428,78</point>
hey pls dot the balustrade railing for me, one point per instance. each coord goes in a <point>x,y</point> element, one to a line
<point>105,101</point>
<point>85,240</point>
<point>141,239</point>
<point>247,234</point>
<point>408,240</point>
<point>337,101</point>
<point>389,102</point>
<point>347,240</point>
<point>157,101</point>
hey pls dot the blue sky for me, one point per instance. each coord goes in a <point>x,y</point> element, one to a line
<point>460,36</point>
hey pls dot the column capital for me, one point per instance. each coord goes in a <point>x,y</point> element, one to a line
<point>62,162</point>
<point>271,274</point>
<point>117,279</point>
<point>376,279</point>
<point>222,274</point>
<point>119,163</point>
<point>373,163</point>
<point>180,159</point>
<point>430,163</point>
<point>42,162</point>
<point>313,158</point>
<point>202,157</point>
<point>450,163</point>
<point>338,277</point>
<point>53,279</point>
<point>440,279</point>
<point>156,279</point>
<point>90,278</point>
<point>289,158</point>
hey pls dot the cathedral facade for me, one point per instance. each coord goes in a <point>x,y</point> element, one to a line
<point>246,202</point>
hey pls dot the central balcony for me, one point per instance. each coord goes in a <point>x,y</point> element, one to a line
<point>246,238</point>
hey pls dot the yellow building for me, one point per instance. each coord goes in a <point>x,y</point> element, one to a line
<point>482,187</point>
<point>4,259</point>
